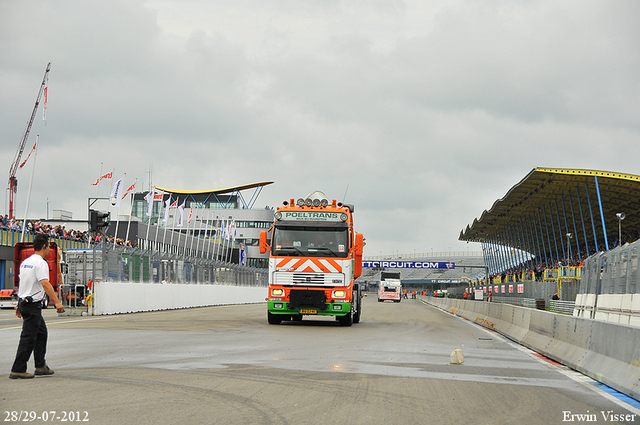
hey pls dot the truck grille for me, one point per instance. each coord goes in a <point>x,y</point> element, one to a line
<point>308,279</point>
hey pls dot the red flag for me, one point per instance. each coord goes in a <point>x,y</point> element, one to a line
<point>32,151</point>
<point>44,105</point>
<point>107,176</point>
<point>133,186</point>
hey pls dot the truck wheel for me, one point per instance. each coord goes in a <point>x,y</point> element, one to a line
<point>356,316</point>
<point>346,320</point>
<point>273,319</point>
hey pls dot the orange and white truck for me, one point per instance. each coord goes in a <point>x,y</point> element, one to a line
<point>390,287</point>
<point>315,258</point>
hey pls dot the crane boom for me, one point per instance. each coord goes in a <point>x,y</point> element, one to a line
<point>13,181</point>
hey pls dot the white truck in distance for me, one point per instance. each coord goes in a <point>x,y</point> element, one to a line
<point>390,287</point>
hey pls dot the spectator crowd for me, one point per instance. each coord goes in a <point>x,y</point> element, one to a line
<point>59,231</point>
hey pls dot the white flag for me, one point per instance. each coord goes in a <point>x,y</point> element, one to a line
<point>116,193</point>
<point>227,230</point>
<point>149,198</point>
<point>167,203</point>
<point>181,209</point>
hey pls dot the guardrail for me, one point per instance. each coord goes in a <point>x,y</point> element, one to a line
<point>556,306</point>
<point>604,351</point>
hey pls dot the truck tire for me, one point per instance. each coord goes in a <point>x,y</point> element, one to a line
<point>346,320</point>
<point>356,314</point>
<point>273,319</point>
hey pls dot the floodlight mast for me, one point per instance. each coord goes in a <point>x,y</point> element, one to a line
<point>13,181</point>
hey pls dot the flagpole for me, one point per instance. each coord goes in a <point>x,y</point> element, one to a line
<point>126,239</point>
<point>218,244</point>
<point>180,225</point>
<point>165,221</point>
<point>99,180</point>
<point>173,226</point>
<point>150,193</point>
<point>200,230</point>
<point>193,231</point>
<point>117,194</point>
<point>109,208</point>
<point>26,211</point>
<point>209,240</point>
<point>187,233</point>
<point>226,232</point>
<point>219,247</point>
<point>158,228</point>
<point>224,243</point>
<point>227,253</point>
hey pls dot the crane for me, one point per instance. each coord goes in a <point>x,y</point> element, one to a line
<point>13,181</point>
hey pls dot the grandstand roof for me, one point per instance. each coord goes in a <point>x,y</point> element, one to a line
<point>215,191</point>
<point>560,198</point>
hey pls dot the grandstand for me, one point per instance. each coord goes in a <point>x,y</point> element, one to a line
<point>559,215</point>
<point>545,225</point>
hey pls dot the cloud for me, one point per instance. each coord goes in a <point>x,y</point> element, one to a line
<point>422,113</point>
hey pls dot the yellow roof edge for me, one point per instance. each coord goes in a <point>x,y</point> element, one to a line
<point>227,190</point>
<point>598,173</point>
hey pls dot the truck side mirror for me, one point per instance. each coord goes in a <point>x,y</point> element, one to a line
<point>357,271</point>
<point>359,244</point>
<point>264,247</point>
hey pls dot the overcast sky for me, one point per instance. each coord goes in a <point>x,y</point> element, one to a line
<point>422,112</point>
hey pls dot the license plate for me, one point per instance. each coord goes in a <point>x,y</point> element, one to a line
<point>308,311</point>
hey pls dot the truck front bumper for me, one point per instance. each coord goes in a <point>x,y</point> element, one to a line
<point>332,309</point>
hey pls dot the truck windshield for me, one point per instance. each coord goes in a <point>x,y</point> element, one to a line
<point>309,241</point>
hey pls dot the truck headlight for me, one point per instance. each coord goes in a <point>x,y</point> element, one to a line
<point>277,292</point>
<point>339,294</point>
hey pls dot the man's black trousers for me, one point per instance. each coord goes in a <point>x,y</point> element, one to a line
<point>33,338</point>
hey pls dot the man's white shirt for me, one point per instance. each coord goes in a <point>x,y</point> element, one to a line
<point>32,271</point>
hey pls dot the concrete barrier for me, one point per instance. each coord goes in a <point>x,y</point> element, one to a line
<point>605,351</point>
<point>120,297</point>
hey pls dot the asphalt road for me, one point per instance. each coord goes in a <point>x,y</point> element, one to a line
<point>226,365</point>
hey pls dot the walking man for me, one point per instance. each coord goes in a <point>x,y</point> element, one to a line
<point>34,285</point>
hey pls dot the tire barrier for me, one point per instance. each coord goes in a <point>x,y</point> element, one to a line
<point>607,352</point>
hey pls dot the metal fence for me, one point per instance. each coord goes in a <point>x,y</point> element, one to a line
<point>120,264</point>
<point>612,272</point>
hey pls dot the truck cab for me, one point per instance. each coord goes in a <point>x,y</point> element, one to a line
<point>315,257</point>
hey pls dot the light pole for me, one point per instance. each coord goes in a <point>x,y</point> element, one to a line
<point>621,217</point>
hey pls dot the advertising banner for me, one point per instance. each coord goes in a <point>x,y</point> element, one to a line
<point>398,264</point>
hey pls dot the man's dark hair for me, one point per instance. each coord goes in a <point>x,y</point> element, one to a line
<point>40,241</point>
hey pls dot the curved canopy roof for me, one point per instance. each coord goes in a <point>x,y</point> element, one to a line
<point>216,191</point>
<point>556,201</point>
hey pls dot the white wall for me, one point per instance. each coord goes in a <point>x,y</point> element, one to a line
<point>125,297</point>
